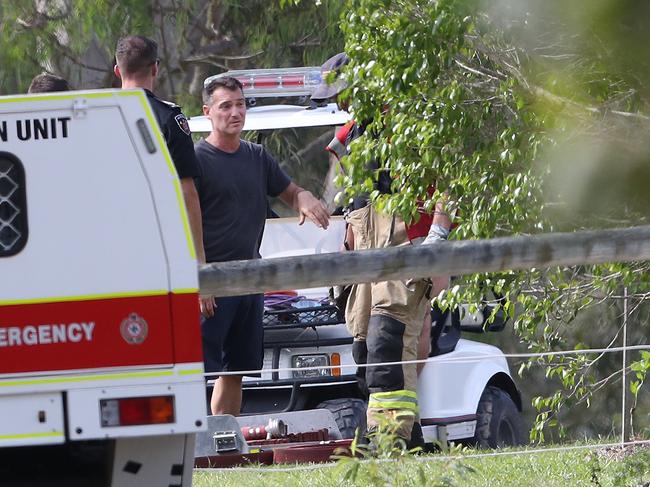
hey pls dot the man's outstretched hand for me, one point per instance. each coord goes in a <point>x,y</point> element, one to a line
<point>308,206</point>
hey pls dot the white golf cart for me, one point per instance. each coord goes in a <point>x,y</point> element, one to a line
<point>465,390</point>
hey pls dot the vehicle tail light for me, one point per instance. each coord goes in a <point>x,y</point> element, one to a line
<point>275,82</point>
<point>335,359</point>
<point>132,411</point>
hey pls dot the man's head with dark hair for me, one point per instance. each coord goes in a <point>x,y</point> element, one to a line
<point>46,82</point>
<point>226,82</point>
<point>135,56</point>
<point>224,104</point>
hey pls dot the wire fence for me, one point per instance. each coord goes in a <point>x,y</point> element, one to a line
<point>625,350</point>
<point>438,359</point>
<point>308,269</point>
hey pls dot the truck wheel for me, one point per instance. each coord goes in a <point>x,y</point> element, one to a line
<point>498,421</point>
<point>349,414</point>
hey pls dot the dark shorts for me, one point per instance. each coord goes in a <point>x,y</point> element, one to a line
<point>233,339</point>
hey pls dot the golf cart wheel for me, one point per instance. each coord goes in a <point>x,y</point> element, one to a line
<point>349,414</point>
<point>498,421</point>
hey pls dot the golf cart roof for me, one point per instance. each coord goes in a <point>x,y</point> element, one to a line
<point>280,117</point>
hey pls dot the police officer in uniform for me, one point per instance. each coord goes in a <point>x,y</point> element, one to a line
<point>137,67</point>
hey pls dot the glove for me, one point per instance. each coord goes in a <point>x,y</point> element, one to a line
<point>437,233</point>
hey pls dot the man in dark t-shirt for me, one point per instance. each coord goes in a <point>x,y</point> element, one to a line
<point>235,178</point>
<point>233,189</point>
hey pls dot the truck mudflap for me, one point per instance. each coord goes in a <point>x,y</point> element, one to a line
<point>147,461</point>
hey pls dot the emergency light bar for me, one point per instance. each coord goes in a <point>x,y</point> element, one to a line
<point>273,117</point>
<point>275,82</point>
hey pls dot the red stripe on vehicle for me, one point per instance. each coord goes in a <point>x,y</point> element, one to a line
<point>185,311</point>
<point>115,332</point>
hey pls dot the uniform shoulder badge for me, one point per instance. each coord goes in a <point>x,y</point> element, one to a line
<point>183,123</point>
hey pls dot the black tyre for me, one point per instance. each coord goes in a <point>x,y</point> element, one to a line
<point>498,421</point>
<point>349,414</point>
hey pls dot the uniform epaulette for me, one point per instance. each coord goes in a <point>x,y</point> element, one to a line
<point>171,104</point>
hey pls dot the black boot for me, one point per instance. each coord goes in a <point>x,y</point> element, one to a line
<point>360,356</point>
<point>417,439</point>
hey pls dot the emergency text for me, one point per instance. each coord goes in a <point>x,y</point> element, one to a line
<point>15,336</point>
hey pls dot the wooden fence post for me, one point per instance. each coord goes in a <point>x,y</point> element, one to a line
<point>445,258</point>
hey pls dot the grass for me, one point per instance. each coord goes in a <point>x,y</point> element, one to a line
<point>578,467</point>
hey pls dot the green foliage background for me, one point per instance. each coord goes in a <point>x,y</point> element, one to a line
<point>530,116</point>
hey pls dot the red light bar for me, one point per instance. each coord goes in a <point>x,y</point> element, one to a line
<point>266,82</point>
<point>275,82</point>
<point>133,411</point>
<point>293,80</point>
<point>246,82</point>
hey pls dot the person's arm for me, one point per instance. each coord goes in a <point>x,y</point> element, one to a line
<point>440,226</point>
<point>441,217</point>
<point>439,231</point>
<point>191,197</point>
<point>348,241</point>
<point>181,149</point>
<point>306,204</point>
<point>193,207</point>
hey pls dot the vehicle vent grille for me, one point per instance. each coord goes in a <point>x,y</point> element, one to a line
<point>13,208</point>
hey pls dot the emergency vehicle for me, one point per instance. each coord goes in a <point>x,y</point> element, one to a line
<point>101,372</point>
<point>465,390</point>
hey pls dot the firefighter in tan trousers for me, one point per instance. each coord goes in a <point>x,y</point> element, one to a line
<point>388,321</point>
<point>386,318</point>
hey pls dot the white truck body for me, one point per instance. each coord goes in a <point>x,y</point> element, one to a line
<point>99,293</point>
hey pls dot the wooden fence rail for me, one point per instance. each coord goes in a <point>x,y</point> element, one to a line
<point>446,258</point>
